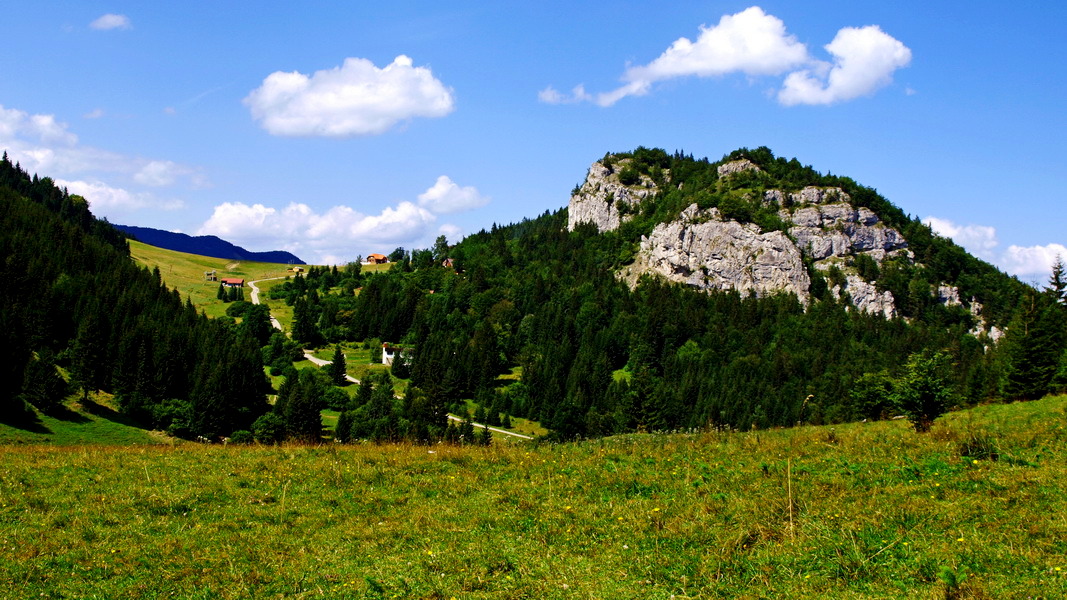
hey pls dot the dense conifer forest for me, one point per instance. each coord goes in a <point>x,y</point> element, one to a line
<point>73,299</point>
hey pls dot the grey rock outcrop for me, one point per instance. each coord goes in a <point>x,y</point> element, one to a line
<point>866,297</point>
<point>598,199</point>
<point>838,230</point>
<point>701,249</point>
<point>737,166</point>
<point>949,295</point>
<point>705,252</point>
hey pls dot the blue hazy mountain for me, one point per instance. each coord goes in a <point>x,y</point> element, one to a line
<point>205,245</point>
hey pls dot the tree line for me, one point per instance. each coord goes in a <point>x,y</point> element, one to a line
<point>74,300</point>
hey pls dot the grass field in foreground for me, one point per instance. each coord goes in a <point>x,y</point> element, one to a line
<point>974,509</point>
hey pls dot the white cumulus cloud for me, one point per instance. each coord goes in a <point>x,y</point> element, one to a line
<point>111,21</point>
<point>1033,261</point>
<point>343,231</point>
<point>320,237</point>
<point>113,202</point>
<point>445,197</point>
<point>864,61</point>
<point>981,240</point>
<point>756,44</point>
<point>44,145</point>
<point>355,99</point>
<point>551,95</point>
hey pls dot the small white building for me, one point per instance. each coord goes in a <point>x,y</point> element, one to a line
<point>389,353</point>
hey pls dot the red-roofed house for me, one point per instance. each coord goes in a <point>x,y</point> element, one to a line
<point>232,282</point>
<point>377,259</point>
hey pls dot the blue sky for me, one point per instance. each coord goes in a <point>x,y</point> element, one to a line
<point>337,131</point>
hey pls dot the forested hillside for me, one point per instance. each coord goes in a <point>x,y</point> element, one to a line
<point>597,357</point>
<point>72,299</point>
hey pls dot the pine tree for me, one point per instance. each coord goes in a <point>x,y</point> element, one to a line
<point>466,430</point>
<point>304,330</point>
<point>88,356</point>
<point>486,437</point>
<point>338,369</point>
<point>303,416</point>
<point>1057,285</point>
<point>44,387</point>
<point>1034,346</point>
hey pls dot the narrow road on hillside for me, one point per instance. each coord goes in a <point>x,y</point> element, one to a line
<point>255,299</point>
<point>493,429</point>
<point>321,363</point>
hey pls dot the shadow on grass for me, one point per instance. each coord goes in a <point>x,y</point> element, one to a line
<point>106,412</point>
<point>28,422</point>
<point>64,413</point>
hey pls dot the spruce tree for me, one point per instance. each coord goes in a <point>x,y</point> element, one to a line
<point>466,430</point>
<point>337,368</point>
<point>1033,346</point>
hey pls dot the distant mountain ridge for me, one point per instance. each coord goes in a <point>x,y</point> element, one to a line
<point>205,245</point>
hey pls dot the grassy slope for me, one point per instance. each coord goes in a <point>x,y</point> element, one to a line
<point>96,423</point>
<point>877,511</point>
<point>186,273</point>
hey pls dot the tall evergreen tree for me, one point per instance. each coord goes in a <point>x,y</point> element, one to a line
<point>337,368</point>
<point>1033,346</point>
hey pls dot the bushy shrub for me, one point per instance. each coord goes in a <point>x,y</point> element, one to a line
<point>629,176</point>
<point>241,436</point>
<point>269,429</point>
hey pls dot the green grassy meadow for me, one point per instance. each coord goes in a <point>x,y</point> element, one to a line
<point>974,509</point>
<point>185,272</point>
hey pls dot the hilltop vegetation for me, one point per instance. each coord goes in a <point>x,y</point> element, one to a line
<point>974,510</point>
<point>598,358</point>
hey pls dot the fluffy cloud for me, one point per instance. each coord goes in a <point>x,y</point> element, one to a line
<point>354,99</point>
<point>864,62</point>
<point>44,145</point>
<point>114,203</point>
<point>981,240</point>
<point>340,231</point>
<point>757,44</point>
<point>445,197</point>
<point>111,21</point>
<point>1033,261</point>
<point>343,231</point>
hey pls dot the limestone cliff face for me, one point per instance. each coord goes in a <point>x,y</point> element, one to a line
<point>839,230</point>
<point>866,297</point>
<point>601,195</point>
<point>702,250</point>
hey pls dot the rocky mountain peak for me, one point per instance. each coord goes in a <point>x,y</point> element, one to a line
<point>819,231</point>
<point>611,192</point>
